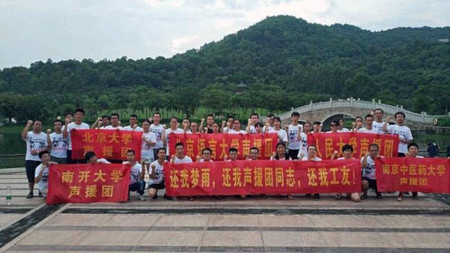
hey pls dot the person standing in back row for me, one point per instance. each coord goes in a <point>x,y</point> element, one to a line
<point>77,124</point>
<point>36,142</point>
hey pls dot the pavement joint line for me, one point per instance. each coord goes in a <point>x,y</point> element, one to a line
<point>245,228</point>
<point>231,210</point>
<point>33,228</point>
<point>205,228</point>
<point>141,248</point>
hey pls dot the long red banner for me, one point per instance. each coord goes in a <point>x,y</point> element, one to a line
<point>413,174</point>
<point>220,143</point>
<point>109,144</point>
<point>85,183</point>
<point>327,143</point>
<point>262,177</point>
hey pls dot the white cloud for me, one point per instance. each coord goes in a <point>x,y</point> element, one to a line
<point>33,30</point>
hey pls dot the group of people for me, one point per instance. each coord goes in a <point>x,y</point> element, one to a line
<point>56,147</point>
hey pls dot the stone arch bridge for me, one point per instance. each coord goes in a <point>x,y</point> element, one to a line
<point>350,108</point>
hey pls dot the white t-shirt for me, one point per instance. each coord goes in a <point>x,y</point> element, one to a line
<point>137,129</point>
<point>369,171</point>
<point>268,129</point>
<point>343,130</point>
<point>252,129</point>
<point>36,142</point>
<point>44,179</point>
<point>364,130</point>
<point>59,145</point>
<point>225,130</point>
<point>71,126</point>
<point>293,132</point>
<point>168,132</point>
<point>404,133</point>
<point>157,130</point>
<point>304,147</point>
<point>110,127</point>
<point>146,149</point>
<point>232,131</point>
<point>282,135</point>
<point>159,173</point>
<point>305,158</point>
<point>103,160</point>
<point>135,173</point>
<point>378,126</point>
<point>186,159</point>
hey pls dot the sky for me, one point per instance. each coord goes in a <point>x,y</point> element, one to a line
<point>37,30</point>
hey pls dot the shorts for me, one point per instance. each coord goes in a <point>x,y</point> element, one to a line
<point>157,186</point>
<point>293,154</point>
<point>372,183</point>
<point>30,169</point>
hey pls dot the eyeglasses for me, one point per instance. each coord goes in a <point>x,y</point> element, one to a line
<point>207,153</point>
<point>254,153</point>
<point>333,125</point>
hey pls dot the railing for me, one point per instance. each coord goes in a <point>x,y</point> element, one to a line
<point>12,161</point>
<point>352,103</point>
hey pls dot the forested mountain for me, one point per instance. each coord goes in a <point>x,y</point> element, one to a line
<point>283,61</point>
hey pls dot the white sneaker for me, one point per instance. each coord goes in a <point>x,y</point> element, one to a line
<point>141,197</point>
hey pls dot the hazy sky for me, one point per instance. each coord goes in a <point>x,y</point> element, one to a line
<point>36,30</point>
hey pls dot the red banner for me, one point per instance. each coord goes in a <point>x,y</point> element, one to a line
<point>431,175</point>
<point>327,143</point>
<point>262,177</point>
<point>86,183</point>
<point>220,143</point>
<point>109,144</point>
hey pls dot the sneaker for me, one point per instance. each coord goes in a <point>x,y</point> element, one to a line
<point>414,194</point>
<point>264,196</point>
<point>400,198</point>
<point>141,197</point>
<point>364,196</point>
<point>316,196</point>
<point>40,194</point>
<point>338,196</point>
<point>167,197</point>
<point>30,195</point>
<point>379,195</point>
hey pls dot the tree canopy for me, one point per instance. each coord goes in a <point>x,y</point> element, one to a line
<point>283,61</point>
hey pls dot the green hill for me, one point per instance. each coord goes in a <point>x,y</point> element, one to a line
<point>284,61</point>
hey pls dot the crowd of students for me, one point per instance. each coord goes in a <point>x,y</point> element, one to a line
<point>55,146</point>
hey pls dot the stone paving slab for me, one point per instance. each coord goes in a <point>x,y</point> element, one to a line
<point>230,225</point>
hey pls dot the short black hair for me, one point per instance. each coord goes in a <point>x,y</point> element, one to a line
<point>317,123</point>
<point>58,120</point>
<point>206,149</point>
<point>233,150</point>
<point>134,116</point>
<point>89,155</point>
<point>399,113</point>
<point>179,144</point>
<point>106,116</point>
<point>295,114</point>
<point>413,144</point>
<point>254,148</point>
<point>43,152</point>
<point>347,147</point>
<point>131,151</point>
<point>115,114</point>
<point>80,110</point>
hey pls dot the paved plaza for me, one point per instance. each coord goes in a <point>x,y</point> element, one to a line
<point>254,224</point>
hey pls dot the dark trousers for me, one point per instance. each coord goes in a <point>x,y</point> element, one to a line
<point>138,186</point>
